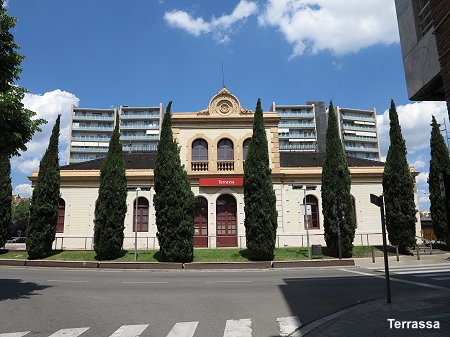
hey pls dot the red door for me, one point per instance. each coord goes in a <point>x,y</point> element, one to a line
<point>201,223</point>
<point>226,224</point>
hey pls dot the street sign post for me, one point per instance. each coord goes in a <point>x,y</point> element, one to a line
<point>378,201</point>
<point>298,186</point>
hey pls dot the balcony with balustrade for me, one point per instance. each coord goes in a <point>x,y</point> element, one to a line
<point>225,165</point>
<point>141,116</point>
<point>365,118</point>
<point>103,128</point>
<point>199,166</point>
<point>78,117</point>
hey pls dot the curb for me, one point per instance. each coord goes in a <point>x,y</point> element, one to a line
<point>179,266</point>
<point>314,263</point>
<point>227,265</point>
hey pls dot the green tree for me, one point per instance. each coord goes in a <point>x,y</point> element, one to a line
<point>16,122</point>
<point>440,162</point>
<point>398,189</point>
<point>336,197</point>
<point>41,230</point>
<point>173,200</point>
<point>20,213</point>
<point>111,204</point>
<point>5,198</point>
<point>259,197</point>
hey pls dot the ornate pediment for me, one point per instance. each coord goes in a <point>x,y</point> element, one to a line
<point>224,103</point>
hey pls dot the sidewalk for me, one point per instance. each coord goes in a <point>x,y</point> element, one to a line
<point>404,260</point>
<point>371,318</point>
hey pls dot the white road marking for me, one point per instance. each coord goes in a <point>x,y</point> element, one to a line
<point>418,267</point>
<point>426,285</point>
<point>419,271</point>
<point>145,282</point>
<point>441,278</point>
<point>287,325</point>
<point>14,334</point>
<point>433,275</point>
<point>69,332</point>
<point>238,328</point>
<point>129,330</point>
<point>230,282</point>
<point>183,329</point>
<point>68,281</point>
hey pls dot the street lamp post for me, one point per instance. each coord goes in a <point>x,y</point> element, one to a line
<point>297,186</point>
<point>136,223</point>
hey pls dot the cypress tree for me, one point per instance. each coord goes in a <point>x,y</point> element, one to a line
<point>336,197</point>
<point>398,188</point>
<point>440,162</point>
<point>41,230</point>
<point>5,198</point>
<point>173,200</point>
<point>111,204</point>
<point>259,196</point>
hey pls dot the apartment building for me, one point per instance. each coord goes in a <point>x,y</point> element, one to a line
<point>358,130</point>
<point>304,128</point>
<point>91,130</point>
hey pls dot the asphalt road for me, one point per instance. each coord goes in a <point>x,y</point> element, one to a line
<point>45,300</point>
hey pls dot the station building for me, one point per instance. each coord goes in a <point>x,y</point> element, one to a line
<point>213,146</point>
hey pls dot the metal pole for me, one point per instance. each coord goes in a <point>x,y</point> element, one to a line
<point>396,251</point>
<point>307,222</point>
<point>385,253</point>
<point>136,224</point>
<point>339,237</point>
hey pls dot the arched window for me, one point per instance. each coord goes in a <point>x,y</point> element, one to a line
<point>199,150</point>
<point>245,148</point>
<point>225,150</point>
<point>142,214</point>
<point>314,217</point>
<point>61,213</point>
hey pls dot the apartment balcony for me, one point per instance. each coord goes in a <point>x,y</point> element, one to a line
<point>89,149</point>
<point>140,116</point>
<point>359,118</point>
<point>360,128</point>
<point>297,125</point>
<point>136,148</point>
<point>91,139</point>
<point>139,137</point>
<point>361,149</point>
<point>298,147</point>
<point>225,165</point>
<point>295,135</point>
<point>199,166</point>
<point>296,114</point>
<point>79,160</point>
<point>108,128</point>
<point>93,118</point>
<point>139,127</point>
<point>361,139</point>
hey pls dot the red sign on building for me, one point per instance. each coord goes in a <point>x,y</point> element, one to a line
<point>238,181</point>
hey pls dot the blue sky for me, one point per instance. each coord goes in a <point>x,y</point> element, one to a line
<point>102,53</point>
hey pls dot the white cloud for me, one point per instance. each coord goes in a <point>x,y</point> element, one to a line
<point>24,190</point>
<point>422,178</point>
<point>220,26</point>
<point>415,120</point>
<point>424,199</point>
<point>5,4</point>
<point>47,106</point>
<point>341,27</point>
<point>418,164</point>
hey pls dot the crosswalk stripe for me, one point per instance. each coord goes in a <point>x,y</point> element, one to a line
<point>183,329</point>
<point>288,325</point>
<point>129,330</point>
<point>238,328</point>
<point>69,332</point>
<point>14,334</point>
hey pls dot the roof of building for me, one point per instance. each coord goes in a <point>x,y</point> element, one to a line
<point>315,159</point>
<point>146,160</point>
